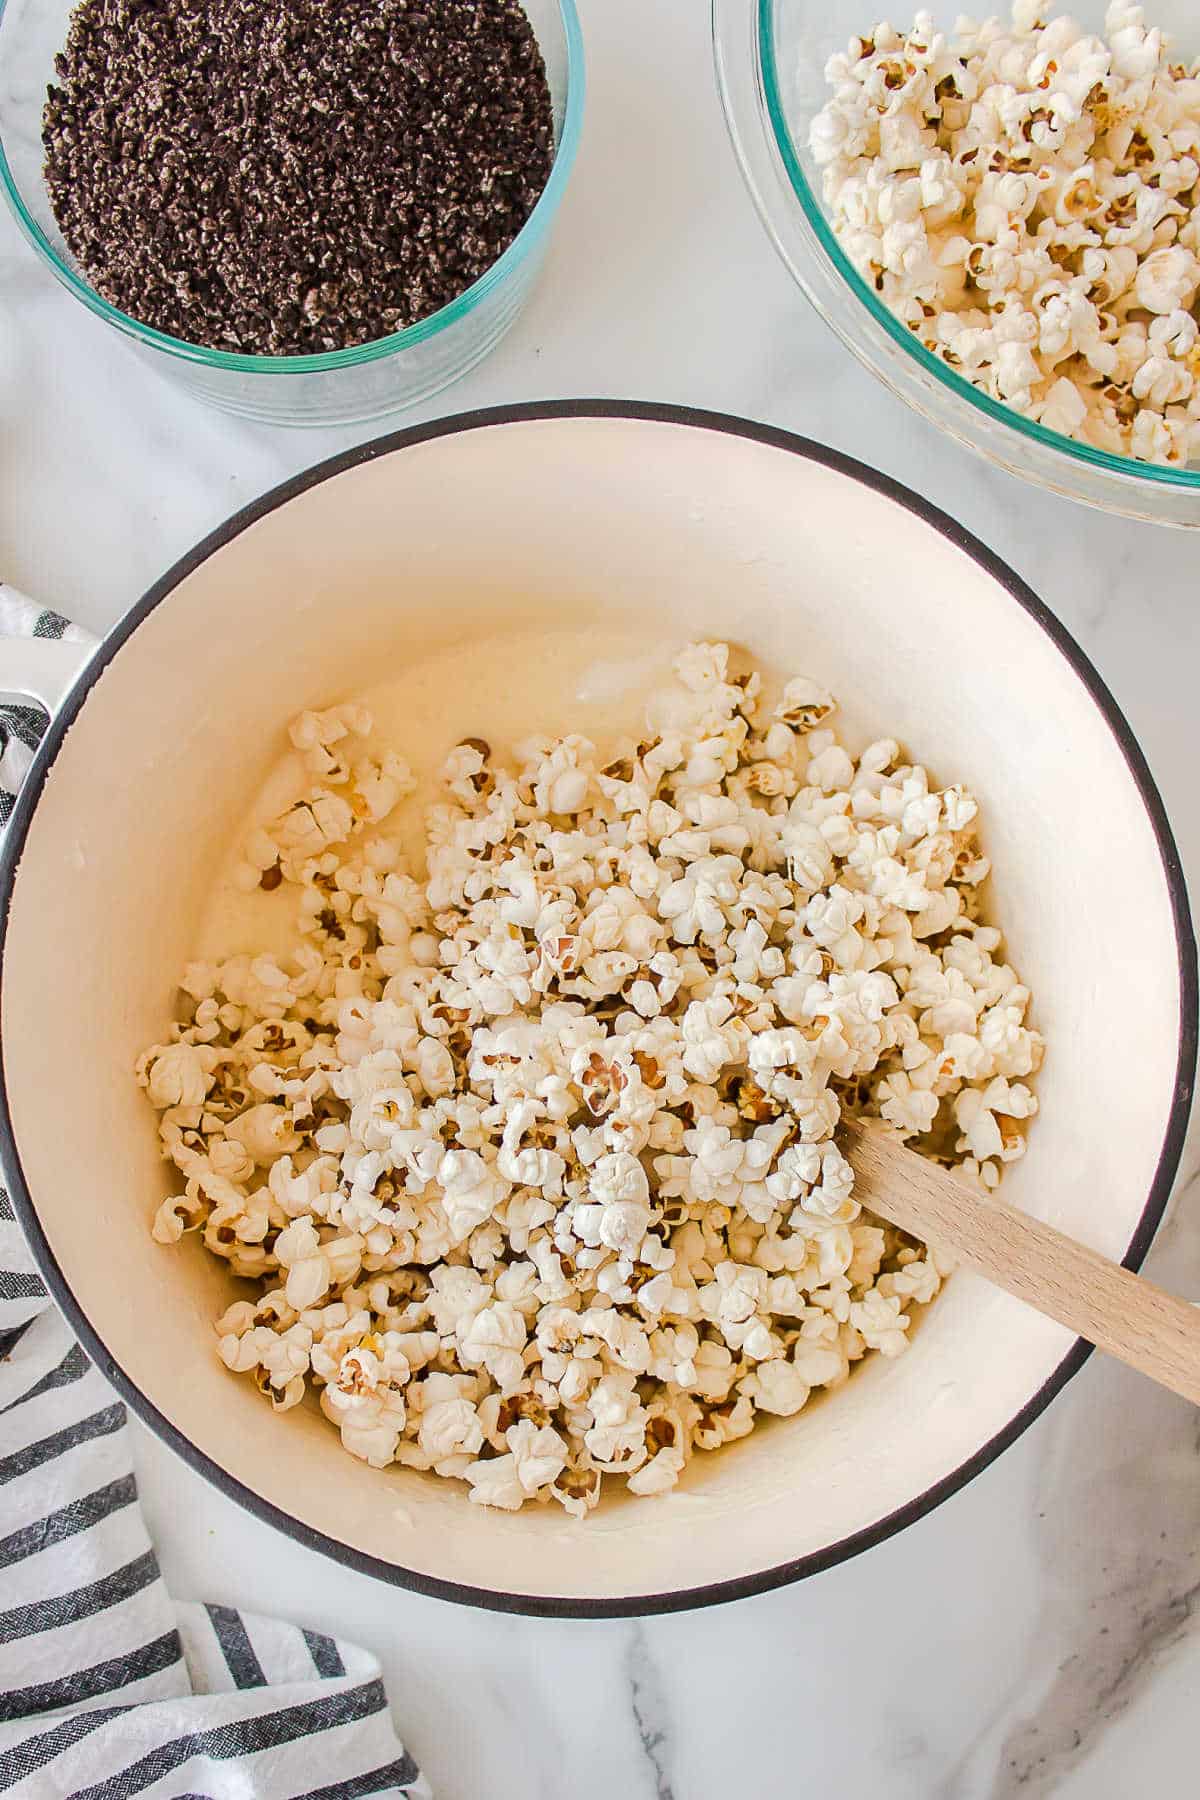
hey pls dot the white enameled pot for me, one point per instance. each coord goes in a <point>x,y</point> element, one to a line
<point>700,525</point>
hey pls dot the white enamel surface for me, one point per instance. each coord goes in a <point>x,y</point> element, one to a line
<point>692,531</point>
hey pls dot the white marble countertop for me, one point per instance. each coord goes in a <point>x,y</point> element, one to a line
<point>1040,1633</point>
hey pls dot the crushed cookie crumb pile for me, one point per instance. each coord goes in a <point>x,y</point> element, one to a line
<point>530,1153</point>
<point>286,177</point>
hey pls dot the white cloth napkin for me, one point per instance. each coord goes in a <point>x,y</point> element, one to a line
<point>108,1687</point>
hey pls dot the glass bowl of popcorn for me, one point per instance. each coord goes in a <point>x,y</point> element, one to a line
<point>492,1235</point>
<point>1001,220</point>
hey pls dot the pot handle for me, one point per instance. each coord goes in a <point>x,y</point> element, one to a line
<point>40,654</point>
<point>39,671</point>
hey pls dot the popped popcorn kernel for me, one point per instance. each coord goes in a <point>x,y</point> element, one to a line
<point>1025,197</point>
<point>532,1157</point>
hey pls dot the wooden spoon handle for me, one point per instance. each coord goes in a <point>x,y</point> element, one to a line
<point>1112,1308</point>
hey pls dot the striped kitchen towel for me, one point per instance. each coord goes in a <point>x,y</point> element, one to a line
<point>109,1687</point>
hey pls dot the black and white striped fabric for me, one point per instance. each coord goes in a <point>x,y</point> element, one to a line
<point>109,1687</point>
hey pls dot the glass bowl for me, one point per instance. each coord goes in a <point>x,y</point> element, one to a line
<point>770,58</point>
<point>340,386</point>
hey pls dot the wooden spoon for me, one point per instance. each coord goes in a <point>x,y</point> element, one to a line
<point>1117,1311</point>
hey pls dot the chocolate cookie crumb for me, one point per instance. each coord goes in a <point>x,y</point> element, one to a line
<point>296,176</point>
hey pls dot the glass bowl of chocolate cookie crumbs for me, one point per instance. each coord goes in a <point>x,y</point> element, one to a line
<point>309,212</point>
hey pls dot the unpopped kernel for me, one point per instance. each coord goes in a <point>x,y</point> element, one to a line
<point>530,1152</point>
<point>1025,197</point>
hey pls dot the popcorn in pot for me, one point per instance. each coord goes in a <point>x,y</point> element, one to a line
<point>531,1152</point>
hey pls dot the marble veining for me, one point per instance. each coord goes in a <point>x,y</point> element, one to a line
<point>650,1711</point>
<point>1040,1633</point>
<point>1116,1536</point>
